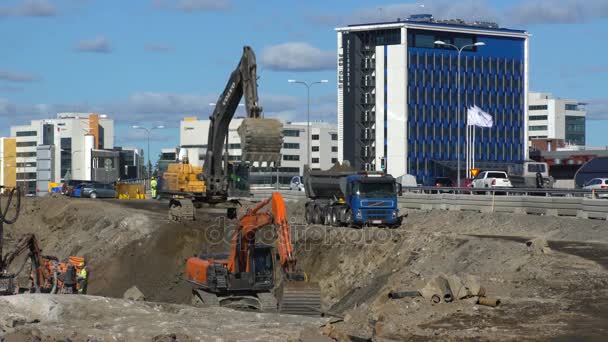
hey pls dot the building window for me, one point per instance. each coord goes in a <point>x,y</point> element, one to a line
<point>290,169</point>
<point>291,146</point>
<point>571,107</point>
<point>26,175</point>
<point>315,148</point>
<point>26,143</point>
<point>425,41</point>
<point>234,146</point>
<point>538,128</point>
<point>315,137</point>
<point>26,134</point>
<point>334,136</point>
<point>315,160</point>
<point>334,148</point>
<point>538,107</point>
<point>30,164</point>
<point>538,117</point>
<point>26,154</point>
<point>291,133</point>
<point>334,160</point>
<point>293,157</point>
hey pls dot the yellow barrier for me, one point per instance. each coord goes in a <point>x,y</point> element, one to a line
<point>130,191</point>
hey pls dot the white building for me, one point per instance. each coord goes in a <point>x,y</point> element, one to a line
<point>323,142</point>
<point>554,118</point>
<point>74,135</point>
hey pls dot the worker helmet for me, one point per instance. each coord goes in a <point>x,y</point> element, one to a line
<point>152,177</point>
<point>81,264</point>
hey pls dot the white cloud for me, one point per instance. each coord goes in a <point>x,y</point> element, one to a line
<point>556,11</point>
<point>522,13</point>
<point>13,76</point>
<point>297,56</point>
<point>29,8</point>
<point>192,5</point>
<point>157,47</point>
<point>597,109</point>
<point>100,44</point>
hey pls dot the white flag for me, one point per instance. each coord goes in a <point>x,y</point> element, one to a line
<point>477,117</point>
<point>485,119</point>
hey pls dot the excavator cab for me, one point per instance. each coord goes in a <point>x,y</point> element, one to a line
<point>263,266</point>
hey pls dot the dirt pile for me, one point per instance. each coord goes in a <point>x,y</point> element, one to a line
<point>87,318</point>
<point>556,285</point>
<point>357,270</point>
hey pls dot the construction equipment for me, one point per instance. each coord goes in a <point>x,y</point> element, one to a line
<point>47,274</point>
<point>261,141</point>
<point>245,278</point>
<point>341,196</point>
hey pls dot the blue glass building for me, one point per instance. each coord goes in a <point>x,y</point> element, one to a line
<point>397,95</point>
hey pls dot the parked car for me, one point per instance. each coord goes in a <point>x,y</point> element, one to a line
<point>77,190</point>
<point>597,184</point>
<point>69,184</point>
<point>98,190</point>
<point>296,183</point>
<point>492,179</point>
<point>442,182</point>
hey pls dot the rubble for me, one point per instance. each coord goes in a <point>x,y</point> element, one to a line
<point>133,293</point>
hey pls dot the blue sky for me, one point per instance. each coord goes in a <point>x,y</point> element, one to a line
<point>151,62</point>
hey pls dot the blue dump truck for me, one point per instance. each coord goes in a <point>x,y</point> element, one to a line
<point>343,197</point>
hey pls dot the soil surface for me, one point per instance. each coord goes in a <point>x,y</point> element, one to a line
<point>555,287</point>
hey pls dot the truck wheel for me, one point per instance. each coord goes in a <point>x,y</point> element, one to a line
<point>308,215</point>
<point>335,221</point>
<point>318,216</point>
<point>328,217</point>
<point>348,218</point>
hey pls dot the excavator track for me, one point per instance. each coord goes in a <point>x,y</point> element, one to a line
<point>299,298</point>
<point>181,210</point>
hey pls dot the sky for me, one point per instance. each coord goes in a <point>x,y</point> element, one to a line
<point>154,62</point>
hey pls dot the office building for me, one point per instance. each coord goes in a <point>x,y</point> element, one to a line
<point>73,135</point>
<point>550,117</point>
<point>8,162</point>
<point>323,148</point>
<point>398,99</point>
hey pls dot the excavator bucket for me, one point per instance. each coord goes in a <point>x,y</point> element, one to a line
<point>299,298</point>
<point>261,140</point>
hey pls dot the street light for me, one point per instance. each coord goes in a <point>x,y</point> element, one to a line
<point>148,131</point>
<point>442,43</point>
<point>308,85</point>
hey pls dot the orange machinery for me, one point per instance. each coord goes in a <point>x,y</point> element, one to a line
<point>245,277</point>
<point>48,275</point>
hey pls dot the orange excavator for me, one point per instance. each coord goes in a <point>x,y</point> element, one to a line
<point>245,278</point>
<point>47,275</point>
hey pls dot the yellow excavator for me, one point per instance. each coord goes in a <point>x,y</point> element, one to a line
<point>190,186</point>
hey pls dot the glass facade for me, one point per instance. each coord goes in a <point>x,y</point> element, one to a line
<point>575,130</point>
<point>492,77</point>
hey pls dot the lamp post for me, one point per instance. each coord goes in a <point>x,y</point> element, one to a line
<point>148,131</point>
<point>308,85</point>
<point>459,50</point>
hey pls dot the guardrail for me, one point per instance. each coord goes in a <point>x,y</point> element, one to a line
<point>549,192</point>
<point>288,195</point>
<point>493,202</point>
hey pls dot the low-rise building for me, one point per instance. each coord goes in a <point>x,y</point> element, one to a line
<point>74,136</point>
<point>323,148</point>
<point>551,117</point>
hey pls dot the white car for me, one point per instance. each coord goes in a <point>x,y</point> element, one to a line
<point>492,179</point>
<point>296,183</point>
<point>597,184</point>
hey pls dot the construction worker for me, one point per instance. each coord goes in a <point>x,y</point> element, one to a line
<point>69,279</point>
<point>153,184</point>
<point>82,279</point>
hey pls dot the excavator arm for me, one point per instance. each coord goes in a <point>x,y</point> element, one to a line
<point>243,241</point>
<point>261,139</point>
<point>29,243</point>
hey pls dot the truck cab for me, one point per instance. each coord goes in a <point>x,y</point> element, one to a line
<point>372,199</point>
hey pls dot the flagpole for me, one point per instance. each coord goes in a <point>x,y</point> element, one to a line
<point>474,145</point>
